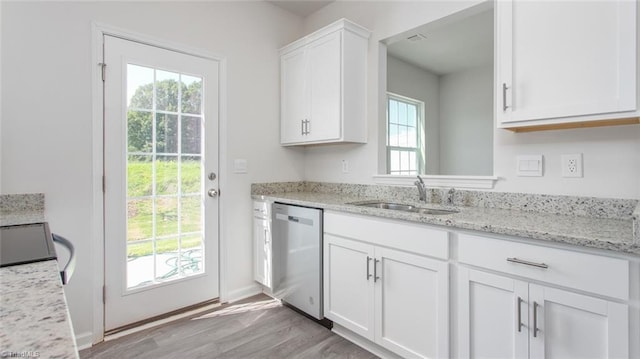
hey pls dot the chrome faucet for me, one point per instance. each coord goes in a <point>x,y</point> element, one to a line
<point>422,189</point>
<point>451,196</point>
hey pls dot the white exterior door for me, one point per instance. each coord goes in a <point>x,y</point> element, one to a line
<point>349,284</point>
<point>565,58</point>
<point>160,147</point>
<point>493,316</point>
<point>412,304</point>
<point>569,325</point>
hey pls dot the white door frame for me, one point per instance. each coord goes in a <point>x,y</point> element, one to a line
<point>98,30</point>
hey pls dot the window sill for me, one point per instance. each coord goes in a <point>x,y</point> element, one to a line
<point>478,182</point>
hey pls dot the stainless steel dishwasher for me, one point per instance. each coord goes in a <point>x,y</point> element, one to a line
<point>297,257</point>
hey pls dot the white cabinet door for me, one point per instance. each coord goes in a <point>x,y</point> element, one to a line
<point>569,325</point>
<point>412,304</point>
<point>492,316</point>
<point>564,59</point>
<point>295,96</point>
<point>348,284</point>
<point>324,59</point>
<point>262,252</point>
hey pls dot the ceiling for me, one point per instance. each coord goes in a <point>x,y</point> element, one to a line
<point>301,8</point>
<point>451,47</point>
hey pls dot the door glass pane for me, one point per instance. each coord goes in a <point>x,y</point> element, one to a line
<point>166,216</point>
<point>167,259</point>
<point>166,133</point>
<point>191,94</point>
<point>191,135</point>
<point>140,219</point>
<point>139,131</point>
<point>167,91</point>
<point>164,176</point>
<point>191,258</point>
<point>191,174</point>
<point>140,263</point>
<point>139,174</point>
<point>190,219</point>
<point>139,87</point>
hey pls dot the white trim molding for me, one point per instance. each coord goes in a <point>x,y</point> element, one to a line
<point>477,182</point>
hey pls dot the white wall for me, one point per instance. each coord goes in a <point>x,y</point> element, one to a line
<point>611,155</point>
<point>408,80</point>
<point>47,113</point>
<point>466,122</point>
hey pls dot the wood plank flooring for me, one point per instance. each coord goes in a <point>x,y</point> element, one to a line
<point>258,327</point>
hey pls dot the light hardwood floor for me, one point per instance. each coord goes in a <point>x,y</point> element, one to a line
<point>258,327</point>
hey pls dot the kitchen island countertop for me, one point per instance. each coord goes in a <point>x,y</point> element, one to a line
<point>34,320</point>
<point>34,317</point>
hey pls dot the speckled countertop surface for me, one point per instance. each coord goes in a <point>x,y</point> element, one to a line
<point>21,209</point>
<point>613,234</point>
<point>34,318</point>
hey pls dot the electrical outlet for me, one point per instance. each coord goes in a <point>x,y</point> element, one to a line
<point>345,166</point>
<point>572,165</point>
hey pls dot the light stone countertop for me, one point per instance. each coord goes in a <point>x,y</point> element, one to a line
<point>601,233</point>
<point>22,217</point>
<point>34,318</point>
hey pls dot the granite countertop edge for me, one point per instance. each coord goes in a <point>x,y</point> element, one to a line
<point>615,235</point>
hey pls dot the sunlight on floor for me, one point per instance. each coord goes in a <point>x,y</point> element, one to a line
<point>242,308</point>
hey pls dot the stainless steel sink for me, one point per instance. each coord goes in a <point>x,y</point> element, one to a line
<point>404,207</point>
<point>386,205</point>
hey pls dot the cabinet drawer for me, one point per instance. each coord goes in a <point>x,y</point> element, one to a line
<point>587,272</point>
<point>415,238</point>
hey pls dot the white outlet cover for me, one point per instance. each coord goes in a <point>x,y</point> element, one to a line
<point>572,165</point>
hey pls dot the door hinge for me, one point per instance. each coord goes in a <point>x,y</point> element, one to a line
<point>103,68</point>
<point>104,184</point>
<point>104,294</point>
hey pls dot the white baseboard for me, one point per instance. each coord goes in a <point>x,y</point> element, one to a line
<point>363,342</point>
<point>242,293</point>
<point>84,340</point>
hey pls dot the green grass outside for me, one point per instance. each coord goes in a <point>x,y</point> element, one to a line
<point>140,211</point>
<point>162,246</point>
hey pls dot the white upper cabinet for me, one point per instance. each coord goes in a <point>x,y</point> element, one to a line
<point>564,62</point>
<point>323,86</point>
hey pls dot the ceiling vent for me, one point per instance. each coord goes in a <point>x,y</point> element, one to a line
<point>416,37</point>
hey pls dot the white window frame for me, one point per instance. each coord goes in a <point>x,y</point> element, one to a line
<point>420,133</point>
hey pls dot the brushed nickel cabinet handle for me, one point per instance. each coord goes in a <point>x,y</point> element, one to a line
<point>519,315</point>
<point>522,261</point>
<point>375,270</point>
<point>535,319</point>
<point>368,272</point>
<point>301,127</point>
<point>504,97</point>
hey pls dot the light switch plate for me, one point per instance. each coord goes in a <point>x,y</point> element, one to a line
<point>529,166</point>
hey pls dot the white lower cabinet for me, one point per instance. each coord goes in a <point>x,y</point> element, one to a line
<point>262,254</point>
<point>501,317</point>
<point>388,282</point>
<point>398,300</point>
<point>535,309</point>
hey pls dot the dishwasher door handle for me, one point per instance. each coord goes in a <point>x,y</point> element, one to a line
<point>293,219</point>
<point>70,267</point>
